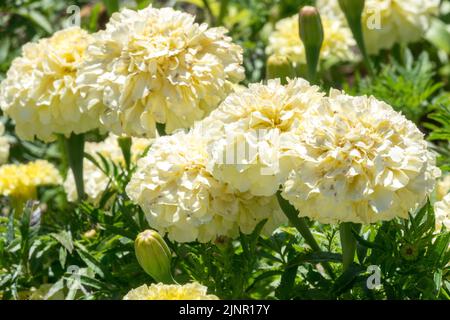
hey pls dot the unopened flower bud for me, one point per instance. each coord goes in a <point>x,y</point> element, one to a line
<point>154,255</point>
<point>409,252</point>
<point>311,34</point>
<point>279,66</point>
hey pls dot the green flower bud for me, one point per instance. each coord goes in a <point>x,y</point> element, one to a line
<point>279,66</point>
<point>311,34</point>
<point>409,252</point>
<point>154,255</point>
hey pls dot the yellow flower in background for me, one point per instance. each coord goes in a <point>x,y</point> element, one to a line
<point>337,45</point>
<point>21,180</point>
<point>386,22</point>
<point>361,162</point>
<point>39,91</point>
<point>158,66</point>
<point>181,198</point>
<point>442,213</point>
<point>190,291</point>
<point>95,180</point>
<point>251,148</point>
<point>4,145</point>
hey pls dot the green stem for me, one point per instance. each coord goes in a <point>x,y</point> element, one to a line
<point>348,243</point>
<point>357,33</point>
<point>210,13</point>
<point>312,61</point>
<point>75,154</point>
<point>223,11</point>
<point>161,128</point>
<point>300,224</point>
<point>125,146</point>
<point>359,37</point>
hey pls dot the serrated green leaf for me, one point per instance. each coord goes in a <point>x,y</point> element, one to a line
<point>65,238</point>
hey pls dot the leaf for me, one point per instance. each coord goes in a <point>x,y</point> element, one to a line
<point>141,4</point>
<point>263,276</point>
<point>95,14</point>
<point>316,257</point>
<point>347,279</point>
<point>5,43</point>
<point>284,290</point>
<point>62,256</point>
<point>90,261</point>
<point>37,18</point>
<point>366,243</point>
<point>57,286</point>
<point>198,3</point>
<point>439,35</point>
<point>437,280</point>
<point>65,238</point>
<point>111,6</point>
<point>10,235</point>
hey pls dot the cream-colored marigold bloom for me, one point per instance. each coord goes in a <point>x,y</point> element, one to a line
<point>251,148</point>
<point>95,180</point>
<point>181,198</point>
<point>361,162</point>
<point>337,44</point>
<point>160,291</point>
<point>443,187</point>
<point>21,180</point>
<point>158,65</point>
<point>39,91</point>
<point>4,145</point>
<point>442,213</point>
<point>386,22</point>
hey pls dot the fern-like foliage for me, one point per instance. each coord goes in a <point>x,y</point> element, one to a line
<point>407,87</point>
<point>440,130</point>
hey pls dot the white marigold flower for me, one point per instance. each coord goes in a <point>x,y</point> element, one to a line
<point>386,22</point>
<point>158,66</point>
<point>442,213</point>
<point>251,148</point>
<point>337,44</point>
<point>361,162</point>
<point>160,291</point>
<point>4,145</point>
<point>95,180</point>
<point>39,91</point>
<point>181,198</point>
<point>443,187</point>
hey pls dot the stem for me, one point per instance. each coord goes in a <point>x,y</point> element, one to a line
<point>161,128</point>
<point>210,13</point>
<point>75,155</point>
<point>312,61</point>
<point>223,11</point>
<point>348,242</point>
<point>125,146</point>
<point>359,37</point>
<point>300,224</point>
